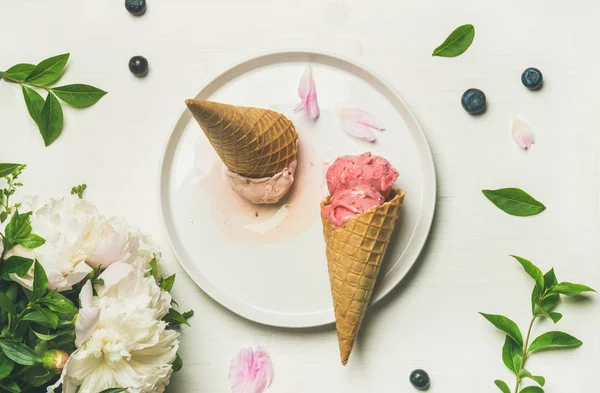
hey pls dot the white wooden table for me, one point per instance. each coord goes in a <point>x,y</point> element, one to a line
<point>431,320</point>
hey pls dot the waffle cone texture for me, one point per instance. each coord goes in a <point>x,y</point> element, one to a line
<point>251,142</point>
<point>354,255</point>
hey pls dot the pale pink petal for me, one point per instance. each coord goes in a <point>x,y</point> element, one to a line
<point>521,132</point>
<point>308,95</point>
<point>250,371</point>
<point>359,123</point>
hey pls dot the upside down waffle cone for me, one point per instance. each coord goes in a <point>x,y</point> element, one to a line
<point>251,142</point>
<point>354,255</point>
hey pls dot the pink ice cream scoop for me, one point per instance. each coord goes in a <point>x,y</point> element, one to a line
<point>356,184</point>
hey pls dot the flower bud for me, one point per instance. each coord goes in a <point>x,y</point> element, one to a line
<point>55,360</point>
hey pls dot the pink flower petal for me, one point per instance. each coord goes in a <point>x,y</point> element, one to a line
<point>250,371</point>
<point>308,95</point>
<point>521,132</point>
<point>359,123</point>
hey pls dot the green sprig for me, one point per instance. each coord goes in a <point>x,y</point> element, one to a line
<point>47,113</point>
<point>544,299</point>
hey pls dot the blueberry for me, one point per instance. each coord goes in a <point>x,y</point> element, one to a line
<point>473,100</point>
<point>419,379</point>
<point>135,7</point>
<point>138,65</point>
<point>532,78</point>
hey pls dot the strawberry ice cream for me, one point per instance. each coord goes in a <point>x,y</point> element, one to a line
<point>356,184</point>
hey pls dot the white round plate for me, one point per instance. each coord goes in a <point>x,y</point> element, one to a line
<point>268,264</point>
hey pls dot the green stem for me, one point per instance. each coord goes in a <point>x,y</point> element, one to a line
<point>20,82</point>
<point>524,354</point>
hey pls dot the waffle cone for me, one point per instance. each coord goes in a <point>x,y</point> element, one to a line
<point>251,142</point>
<point>354,255</point>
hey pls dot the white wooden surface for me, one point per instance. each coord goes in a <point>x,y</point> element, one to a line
<point>431,321</point>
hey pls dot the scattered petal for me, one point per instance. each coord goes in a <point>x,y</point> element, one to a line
<point>521,132</point>
<point>308,95</point>
<point>358,123</point>
<point>251,371</point>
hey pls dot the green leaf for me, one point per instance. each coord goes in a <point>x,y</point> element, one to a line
<point>40,282</point>
<point>514,201</point>
<point>7,305</point>
<point>114,390</point>
<point>19,353</point>
<point>78,190</point>
<point>502,386</point>
<point>512,354</point>
<point>539,380</point>
<point>10,386</point>
<point>19,71</point>
<point>188,314</point>
<point>154,268</point>
<point>6,366</point>
<point>570,289</point>
<point>532,389</point>
<point>177,364</point>
<point>554,340</point>
<point>17,265</point>
<point>59,303</point>
<point>457,42</point>
<point>38,376</point>
<point>51,119</point>
<point>7,168</point>
<point>175,318</point>
<point>34,102</point>
<point>166,284</point>
<point>18,227</point>
<point>550,301</point>
<point>532,270</point>
<point>79,96</point>
<point>48,70</point>
<point>31,241</point>
<point>506,325</point>
<point>554,316</point>
<point>45,337</point>
<point>43,317</point>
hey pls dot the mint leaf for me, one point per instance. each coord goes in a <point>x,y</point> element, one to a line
<point>34,102</point>
<point>6,366</point>
<point>166,284</point>
<point>18,227</point>
<point>540,380</point>
<point>532,389</point>
<point>175,318</point>
<point>40,282</point>
<point>79,95</point>
<point>554,340</point>
<point>19,353</point>
<point>19,71</point>
<point>514,201</point>
<point>512,354</point>
<point>7,169</point>
<point>48,70</point>
<point>502,386</point>
<point>51,120</point>
<point>42,317</point>
<point>532,270</point>
<point>7,305</point>
<point>554,316</point>
<point>457,42</point>
<point>17,265</point>
<point>78,190</point>
<point>31,241</point>
<point>506,325</point>
<point>550,301</point>
<point>570,289</point>
<point>177,364</point>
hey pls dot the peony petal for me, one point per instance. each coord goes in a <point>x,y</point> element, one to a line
<point>88,315</point>
<point>251,371</point>
<point>521,132</point>
<point>308,94</point>
<point>358,123</point>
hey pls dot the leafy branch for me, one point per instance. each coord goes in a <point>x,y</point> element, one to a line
<point>10,173</point>
<point>47,113</point>
<point>544,299</point>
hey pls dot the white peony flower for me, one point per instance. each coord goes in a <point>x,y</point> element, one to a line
<point>112,246</point>
<point>70,227</point>
<point>127,345</point>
